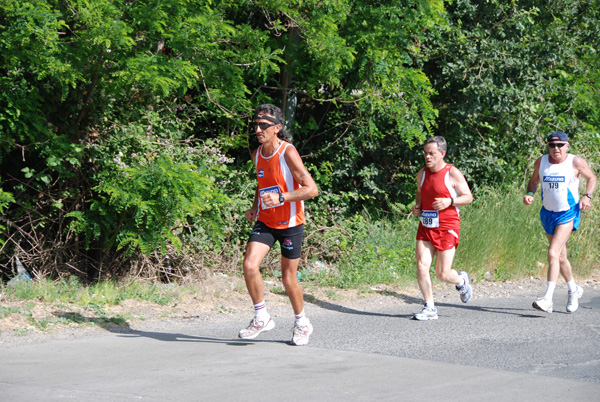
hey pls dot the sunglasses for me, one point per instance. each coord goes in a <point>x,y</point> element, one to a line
<point>264,126</point>
<point>556,144</point>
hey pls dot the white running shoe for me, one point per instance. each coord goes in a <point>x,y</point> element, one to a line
<point>301,333</point>
<point>428,313</point>
<point>256,327</point>
<point>543,304</point>
<point>466,291</point>
<point>573,303</point>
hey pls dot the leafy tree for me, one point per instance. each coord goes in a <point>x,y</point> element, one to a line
<point>509,73</point>
<point>124,125</point>
<point>106,106</point>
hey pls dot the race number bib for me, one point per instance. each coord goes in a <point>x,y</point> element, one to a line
<point>554,183</point>
<point>430,219</point>
<point>273,189</point>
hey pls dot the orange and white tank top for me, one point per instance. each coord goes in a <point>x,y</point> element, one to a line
<point>438,185</point>
<point>275,176</point>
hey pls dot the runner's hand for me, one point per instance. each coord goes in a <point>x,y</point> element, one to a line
<point>585,203</point>
<point>251,214</point>
<point>270,199</point>
<point>416,210</point>
<point>441,203</point>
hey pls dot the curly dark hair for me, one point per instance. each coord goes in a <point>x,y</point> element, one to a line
<point>275,112</point>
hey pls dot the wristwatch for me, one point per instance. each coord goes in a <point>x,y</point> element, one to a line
<point>282,200</point>
<point>588,195</point>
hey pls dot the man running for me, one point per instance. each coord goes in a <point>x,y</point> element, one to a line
<point>441,189</point>
<point>559,173</point>
<point>278,209</point>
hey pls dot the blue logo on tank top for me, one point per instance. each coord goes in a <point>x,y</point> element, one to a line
<point>429,214</point>
<point>261,173</point>
<point>554,179</point>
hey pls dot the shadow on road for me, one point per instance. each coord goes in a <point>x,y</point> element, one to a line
<point>496,310</point>
<point>171,337</point>
<point>347,310</point>
<point>122,327</point>
<point>519,312</point>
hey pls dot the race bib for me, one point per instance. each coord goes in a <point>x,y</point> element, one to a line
<point>430,219</point>
<point>554,183</point>
<point>273,189</point>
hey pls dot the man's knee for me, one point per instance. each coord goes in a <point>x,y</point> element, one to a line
<point>444,276</point>
<point>553,254</point>
<point>250,267</point>
<point>423,267</point>
<point>289,282</point>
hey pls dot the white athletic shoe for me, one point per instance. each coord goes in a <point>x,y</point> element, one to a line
<point>466,291</point>
<point>573,303</point>
<point>428,313</point>
<point>301,333</point>
<point>256,327</point>
<point>543,304</point>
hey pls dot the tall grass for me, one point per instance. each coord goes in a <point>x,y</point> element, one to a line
<point>373,252</point>
<point>502,236</point>
<point>499,235</point>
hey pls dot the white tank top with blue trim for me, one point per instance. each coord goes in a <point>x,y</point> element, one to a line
<point>560,187</point>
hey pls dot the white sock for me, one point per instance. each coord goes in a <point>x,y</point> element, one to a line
<point>260,311</point>
<point>550,291</point>
<point>429,305</point>
<point>301,318</point>
<point>571,285</point>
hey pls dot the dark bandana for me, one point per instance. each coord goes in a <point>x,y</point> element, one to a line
<point>266,117</point>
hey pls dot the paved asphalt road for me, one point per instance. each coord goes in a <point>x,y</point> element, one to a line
<point>491,349</point>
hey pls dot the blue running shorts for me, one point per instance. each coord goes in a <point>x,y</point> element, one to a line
<point>550,219</point>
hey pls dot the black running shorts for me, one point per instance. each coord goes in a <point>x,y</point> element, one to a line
<point>290,239</point>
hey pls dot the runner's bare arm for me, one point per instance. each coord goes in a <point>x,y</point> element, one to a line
<point>252,213</point>
<point>461,186</point>
<point>584,170</point>
<point>416,209</point>
<point>533,183</point>
<point>309,187</point>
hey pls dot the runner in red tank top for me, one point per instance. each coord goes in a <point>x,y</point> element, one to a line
<point>441,189</point>
<point>437,184</point>
<point>278,209</point>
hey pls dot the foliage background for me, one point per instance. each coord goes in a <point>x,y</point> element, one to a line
<point>124,126</point>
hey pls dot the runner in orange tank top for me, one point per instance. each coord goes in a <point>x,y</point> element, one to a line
<point>278,209</point>
<point>275,176</point>
<point>441,189</point>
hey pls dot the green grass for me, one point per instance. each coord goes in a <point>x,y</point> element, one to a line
<point>499,235</point>
<point>502,236</point>
<point>7,311</point>
<point>101,293</point>
<point>93,298</point>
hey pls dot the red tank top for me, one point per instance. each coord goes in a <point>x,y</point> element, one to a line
<point>275,176</point>
<point>438,185</point>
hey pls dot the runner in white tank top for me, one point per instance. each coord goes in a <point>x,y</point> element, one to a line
<point>560,186</point>
<point>559,174</point>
